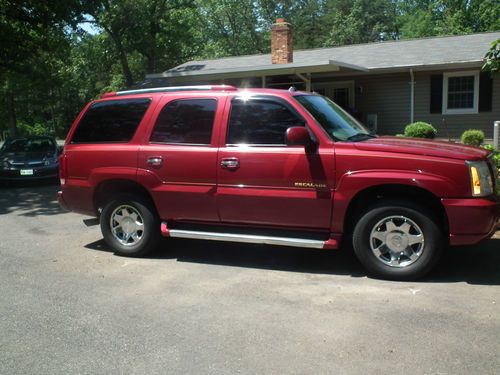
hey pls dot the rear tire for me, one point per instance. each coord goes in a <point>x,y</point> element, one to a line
<point>398,240</point>
<point>130,226</point>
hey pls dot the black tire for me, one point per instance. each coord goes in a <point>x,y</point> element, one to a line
<point>394,246</point>
<point>145,240</point>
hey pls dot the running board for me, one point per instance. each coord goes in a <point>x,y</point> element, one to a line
<point>331,243</point>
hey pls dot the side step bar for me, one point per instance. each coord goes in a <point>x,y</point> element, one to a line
<point>331,243</point>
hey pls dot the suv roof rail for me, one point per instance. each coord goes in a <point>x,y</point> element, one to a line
<point>171,89</point>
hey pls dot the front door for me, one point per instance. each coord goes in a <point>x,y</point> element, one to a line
<point>342,93</point>
<point>261,180</point>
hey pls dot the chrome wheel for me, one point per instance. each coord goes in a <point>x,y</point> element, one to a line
<point>397,241</point>
<point>127,225</point>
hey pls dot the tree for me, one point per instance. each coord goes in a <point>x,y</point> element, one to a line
<point>359,21</point>
<point>492,57</point>
<point>231,27</point>
<point>113,17</point>
<point>163,32</point>
<point>31,35</point>
<point>422,18</point>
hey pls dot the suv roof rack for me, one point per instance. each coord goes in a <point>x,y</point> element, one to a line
<point>171,89</point>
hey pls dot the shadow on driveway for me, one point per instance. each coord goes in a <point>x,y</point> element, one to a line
<point>30,198</point>
<point>477,264</point>
<point>253,256</point>
<point>472,264</point>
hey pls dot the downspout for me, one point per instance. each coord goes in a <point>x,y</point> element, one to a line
<point>412,97</point>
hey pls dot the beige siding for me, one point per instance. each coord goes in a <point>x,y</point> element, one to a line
<point>386,95</point>
<point>456,124</point>
<point>389,97</point>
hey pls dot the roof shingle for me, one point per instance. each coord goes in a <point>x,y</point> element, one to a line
<point>370,56</point>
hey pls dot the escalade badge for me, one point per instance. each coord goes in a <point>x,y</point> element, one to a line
<point>309,185</point>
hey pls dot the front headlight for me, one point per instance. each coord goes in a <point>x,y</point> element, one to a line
<point>4,164</point>
<point>50,161</point>
<point>481,180</point>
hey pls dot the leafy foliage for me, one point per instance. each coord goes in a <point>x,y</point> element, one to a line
<point>472,137</point>
<point>360,21</point>
<point>420,129</point>
<point>492,57</point>
<point>496,155</point>
<point>496,163</point>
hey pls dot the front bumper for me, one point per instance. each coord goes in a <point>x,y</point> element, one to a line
<point>472,220</point>
<point>39,173</point>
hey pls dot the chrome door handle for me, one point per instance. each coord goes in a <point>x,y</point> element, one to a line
<point>230,163</point>
<point>155,161</point>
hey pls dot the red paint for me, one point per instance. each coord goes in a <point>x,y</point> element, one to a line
<point>285,187</point>
<point>298,136</point>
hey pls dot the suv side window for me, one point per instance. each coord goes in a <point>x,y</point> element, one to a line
<point>185,121</point>
<point>111,121</point>
<point>260,121</point>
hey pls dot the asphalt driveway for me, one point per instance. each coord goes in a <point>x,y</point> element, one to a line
<point>68,305</point>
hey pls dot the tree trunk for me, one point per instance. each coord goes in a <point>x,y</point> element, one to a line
<point>9,98</point>
<point>122,56</point>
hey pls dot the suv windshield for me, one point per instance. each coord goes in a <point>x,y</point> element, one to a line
<point>43,145</point>
<point>337,123</point>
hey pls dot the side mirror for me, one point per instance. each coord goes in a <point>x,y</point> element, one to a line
<point>299,136</point>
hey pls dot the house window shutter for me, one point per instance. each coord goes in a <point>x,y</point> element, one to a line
<point>436,103</point>
<point>485,92</point>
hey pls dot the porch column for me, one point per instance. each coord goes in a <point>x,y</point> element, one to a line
<point>306,79</point>
<point>263,78</point>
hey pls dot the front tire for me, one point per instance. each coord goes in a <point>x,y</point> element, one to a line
<point>130,226</point>
<point>398,240</point>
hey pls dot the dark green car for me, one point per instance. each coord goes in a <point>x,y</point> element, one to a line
<point>29,158</point>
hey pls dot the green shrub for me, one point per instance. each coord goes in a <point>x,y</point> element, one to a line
<point>496,163</point>
<point>496,159</point>
<point>472,137</point>
<point>496,154</point>
<point>420,130</point>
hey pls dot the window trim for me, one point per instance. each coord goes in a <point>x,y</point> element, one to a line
<point>184,144</point>
<point>270,98</point>
<point>461,111</point>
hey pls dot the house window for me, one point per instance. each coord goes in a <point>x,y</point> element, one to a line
<point>460,92</point>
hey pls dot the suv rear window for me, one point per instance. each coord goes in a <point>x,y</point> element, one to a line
<point>111,121</point>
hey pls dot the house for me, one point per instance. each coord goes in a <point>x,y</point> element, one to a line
<point>386,84</point>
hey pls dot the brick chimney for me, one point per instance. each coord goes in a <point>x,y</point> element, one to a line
<point>281,42</point>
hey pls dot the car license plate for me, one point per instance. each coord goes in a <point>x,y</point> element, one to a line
<point>26,172</point>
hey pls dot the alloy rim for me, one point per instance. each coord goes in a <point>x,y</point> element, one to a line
<point>127,225</point>
<point>397,241</point>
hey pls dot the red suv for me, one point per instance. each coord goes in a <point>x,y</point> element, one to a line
<point>274,167</point>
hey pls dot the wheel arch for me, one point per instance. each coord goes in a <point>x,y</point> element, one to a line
<point>363,199</point>
<point>110,188</point>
